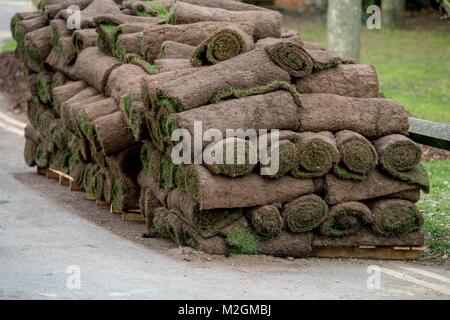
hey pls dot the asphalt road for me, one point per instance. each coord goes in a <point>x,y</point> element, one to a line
<point>48,251</point>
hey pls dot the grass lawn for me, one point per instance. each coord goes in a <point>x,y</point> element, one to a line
<point>9,45</point>
<point>414,69</point>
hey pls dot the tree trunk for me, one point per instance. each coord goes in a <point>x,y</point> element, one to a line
<point>393,13</point>
<point>344,27</point>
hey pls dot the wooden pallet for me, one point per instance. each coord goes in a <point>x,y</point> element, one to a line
<point>131,215</point>
<point>369,252</point>
<point>64,179</point>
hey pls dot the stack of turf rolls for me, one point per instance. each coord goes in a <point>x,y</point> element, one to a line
<point>109,94</point>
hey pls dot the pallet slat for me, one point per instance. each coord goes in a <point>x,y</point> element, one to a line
<point>366,252</point>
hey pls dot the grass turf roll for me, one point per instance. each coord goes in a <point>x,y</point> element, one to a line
<point>88,177</point>
<point>214,192</point>
<point>134,111</point>
<point>222,45</point>
<point>175,50</point>
<point>84,38</point>
<point>316,154</point>
<point>167,65</point>
<point>20,28</point>
<point>209,223</point>
<point>29,152</point>
<point>199,89</point>
<point>192,34</point>
<point>42,156</point>
<point>283,150</point>
<point>375,185</point>
<point>267,23</point>
<point>351,80</point>
<point>298,245</point>
<point>242,241</point>
<point>370,117</point>
<point>305,213</point>
<point>37,45</point>
<point>140,62</point>
<point>124,80</point>
<point>76,168</point>
<point>289,55</point>
<point>266,221</point>
<point>400,157</point>
<point>168,172</point>
<point>124,194</point>
<point>113,133</point>
<point>44,86</point>
<point>240,164</point>
<point>193,239</point>
<point>346,219</point>
<point>94,67</point>
<point>147,182</point>
<point>129,43</point>
<point>65,92</point>
<point>396,217</point>
<point>96,108</point>
<point>161,223</point>
<point>152,159</point>
<point>358,155</point>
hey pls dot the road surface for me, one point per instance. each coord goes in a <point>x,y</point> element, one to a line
<point>49,250</point>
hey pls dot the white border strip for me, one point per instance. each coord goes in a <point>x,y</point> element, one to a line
<point>11,121</point>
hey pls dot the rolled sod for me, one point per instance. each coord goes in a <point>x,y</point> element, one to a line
<point>272,110</point>
<point>266,221</point>
<point>168,172</point>
<point>124,80</point>
<point>51,10</point>
<point>400,157</point>
<point>120,19</point>
<point>94,67</point>
<point>231,5</point>
<point>220,46</point>
<point>125,194</point>
<point>37,45</point>
<point>137,60</point>
<point>237,164</point>
<point>29,152</point>
<point>24,16</point>
<point>89,112</point>
<point>192,34</point>
<point>56,61</point>
<point>59,134</point>
<point>289,55</point>
<point>242,240</point>
<point>316,154</point>
<point>208,223</point>
<point>108,186</point>
<point>177,229</point>
<point>150,84</point>
<point>161,223</point>
<point>366,237</point>
<point>287,244</point>
<point>67,49</point>
<point>129,43</point>
<point>305,213</point>
<point>283,151</point>
<point>58,80</point>
<point>76,168</point>
<point>59,160</point>
<point>20,28</point>
<point>146,181</point>
<point>396,217</point>
<point>73,104</point>
<point>84,38</point>
<point>94,9</point>
<point>375,185</point>
<point>167,65</point>
<point>58,29</point>
<point>113,133</point>
<point>410,195</point>
<point>99,183</point>
<point>44,86</point>
<point>267,23</point>
<point>152,159</point>
<point>346,219</point>
<point>65,92</point>
<point>134,111</point>
<point>199,88</point>
<point>352,80</point>
<point>358,155</point>
<point>175,50</point>
<point>42,156</point>
<point>193,239</point>
<point>147,9</point>
<point>370,117</point>
<point>88,177</point>
<point>204,187</point>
